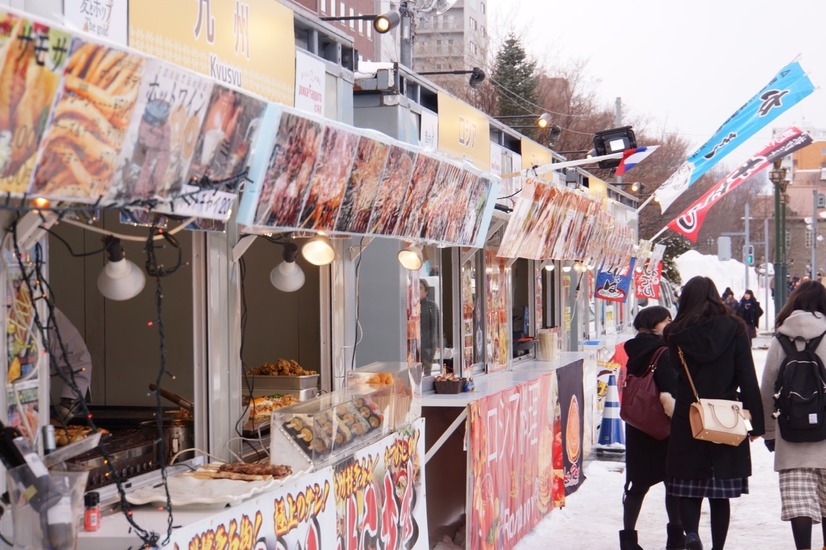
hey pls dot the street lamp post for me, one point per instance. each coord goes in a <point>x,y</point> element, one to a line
<point>778,178</point>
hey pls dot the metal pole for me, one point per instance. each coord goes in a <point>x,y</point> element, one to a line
<point>406,40</point>
<point>746,246</point>
<point>779,280</point>
<point>814,232</point>
<point>766,271</point>
<point>618,122</point>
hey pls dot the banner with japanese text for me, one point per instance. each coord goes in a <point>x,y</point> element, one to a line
<point>612,285</point>
<point>249,45</point>
<point>691,219</point>
<point>525,454</point>
<point>647,280</point>
<point>380,494</point>
<point>372,500</point>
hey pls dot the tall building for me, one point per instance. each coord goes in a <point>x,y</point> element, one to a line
<point>456,40</point>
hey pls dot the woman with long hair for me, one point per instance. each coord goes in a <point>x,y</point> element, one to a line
<point>718,355</point>
<point>801,466</point>
<point>645,455</point>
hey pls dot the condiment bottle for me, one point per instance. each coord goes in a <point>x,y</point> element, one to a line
<point>91,515</point>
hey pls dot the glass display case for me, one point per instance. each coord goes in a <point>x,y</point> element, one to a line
<point>403,383</point>
<point>324,429</point>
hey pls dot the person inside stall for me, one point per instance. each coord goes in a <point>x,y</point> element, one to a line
<point>75,365</point>
<point>429,327</point>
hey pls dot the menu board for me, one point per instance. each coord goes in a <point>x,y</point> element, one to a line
<point>32,57</point>
<point>320,175</point>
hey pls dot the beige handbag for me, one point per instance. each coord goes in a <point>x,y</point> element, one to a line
<point>716,420</point>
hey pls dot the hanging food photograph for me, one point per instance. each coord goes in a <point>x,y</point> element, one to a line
<point>393,188</point>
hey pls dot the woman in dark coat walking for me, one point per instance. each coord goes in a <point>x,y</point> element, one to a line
<point>644,455</point>
<point>718,354</point>
<point>750,312</point>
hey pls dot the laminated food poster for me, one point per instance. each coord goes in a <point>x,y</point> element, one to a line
<point>162,134</point>
<point>83,141</point>
<point>32,57</point>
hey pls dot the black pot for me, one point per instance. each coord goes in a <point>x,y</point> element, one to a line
<point>177,435</point>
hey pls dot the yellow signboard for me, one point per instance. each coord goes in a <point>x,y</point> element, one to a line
<point>464,131</point>
<point>249,45</point>
<point>597,187</point>
<point>534,154</point>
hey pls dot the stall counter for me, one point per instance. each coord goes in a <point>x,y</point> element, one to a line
<point>377,492</point>
<point>526,434</point>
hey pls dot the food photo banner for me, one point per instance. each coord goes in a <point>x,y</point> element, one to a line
<point>319,175</point>
<point>565,224</point>
<point>89,123</point>
<point>525,455</point>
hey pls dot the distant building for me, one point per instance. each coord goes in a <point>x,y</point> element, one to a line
<point>807,201</point>
<point>456,40</point>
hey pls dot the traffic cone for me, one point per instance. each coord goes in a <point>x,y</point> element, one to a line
<point>611,435</point>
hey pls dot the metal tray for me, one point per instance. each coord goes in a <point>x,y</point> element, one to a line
<point>285,382</point>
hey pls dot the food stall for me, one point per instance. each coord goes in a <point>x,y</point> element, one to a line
<point>154,156</point>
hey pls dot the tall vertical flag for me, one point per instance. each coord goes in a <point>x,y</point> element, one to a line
<point>689,222</point>
<point>786,89</point>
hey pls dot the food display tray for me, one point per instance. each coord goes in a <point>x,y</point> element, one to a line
<point>284,382</point>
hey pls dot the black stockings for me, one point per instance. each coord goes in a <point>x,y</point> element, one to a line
<point>720,516</point>
<point>632,504</point>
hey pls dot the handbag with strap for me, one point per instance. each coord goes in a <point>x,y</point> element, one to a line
<point>641,406</point>
<point>716,420</point>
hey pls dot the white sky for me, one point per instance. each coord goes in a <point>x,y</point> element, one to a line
<point>685,67</point>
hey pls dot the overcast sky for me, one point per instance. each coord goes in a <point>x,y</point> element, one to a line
<point>683,66</point>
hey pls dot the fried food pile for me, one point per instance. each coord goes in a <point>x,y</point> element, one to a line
<point>282,367</point>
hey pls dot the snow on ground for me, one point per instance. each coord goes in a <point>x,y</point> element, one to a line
<point>593,515</point>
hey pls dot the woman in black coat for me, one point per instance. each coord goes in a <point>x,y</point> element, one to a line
<point>718,354</point>
<point>644,455</point>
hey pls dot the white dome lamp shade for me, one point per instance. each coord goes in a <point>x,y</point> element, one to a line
<point>411,257</point>
<point>288,275</point>
<point>318,251</point>
<point>120,279</point>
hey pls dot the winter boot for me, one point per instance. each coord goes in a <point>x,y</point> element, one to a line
<point>693,542</point>
<point>628,540</point>
<point>676,537</point>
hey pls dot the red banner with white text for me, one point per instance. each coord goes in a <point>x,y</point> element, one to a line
<point>647,280</point>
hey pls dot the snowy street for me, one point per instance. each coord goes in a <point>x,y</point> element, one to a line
<point>593,515</point>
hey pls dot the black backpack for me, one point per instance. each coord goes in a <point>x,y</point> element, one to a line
<point>800,392</point>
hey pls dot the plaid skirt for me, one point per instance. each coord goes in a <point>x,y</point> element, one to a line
<point>707,488</point>
<point>803,493</point>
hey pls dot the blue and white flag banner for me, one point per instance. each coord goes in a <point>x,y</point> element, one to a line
<point>786,89</point>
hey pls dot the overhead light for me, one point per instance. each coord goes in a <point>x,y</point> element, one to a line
<point>544,120</point>
<point>120,279</point>
<point>613,140</point>
<point>549,266</point>
<point>635,186</point>
<point>477,75</point>
<point>318,250</point>
<point>381,23</point>
<point>411,257</point>
<point>385,22</point>
<point>566,268</point>
<point>288,275</point>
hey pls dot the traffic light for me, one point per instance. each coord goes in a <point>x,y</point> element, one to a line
<point>749,255</point>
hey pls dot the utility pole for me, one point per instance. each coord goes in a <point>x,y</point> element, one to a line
<point>766,266</point>
<point>618,122</point>
<point>746,246</point>
<point>814,231</point>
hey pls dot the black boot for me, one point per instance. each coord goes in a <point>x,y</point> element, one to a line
<point>628,540</point>
<point>692,542</point>
<point>676,537</point>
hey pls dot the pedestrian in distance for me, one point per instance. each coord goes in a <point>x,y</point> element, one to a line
<point>644,455</point>
<point>750,311</point>
<point>717,353</point>
<point>801,466</point>
<point>730,300</point>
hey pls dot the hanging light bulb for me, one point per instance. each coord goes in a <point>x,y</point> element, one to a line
<point>288,275</point>
<point>120,279</point>
<point>566,268</point>
<point>549,266</point>
<point>411,257</point>
<point>318,250</point>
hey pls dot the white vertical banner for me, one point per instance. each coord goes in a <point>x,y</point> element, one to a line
<point>429,131</point>
<point>107,19</point>
<point>309,83</point>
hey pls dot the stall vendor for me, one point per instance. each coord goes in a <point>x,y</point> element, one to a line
<point>75,365</point>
